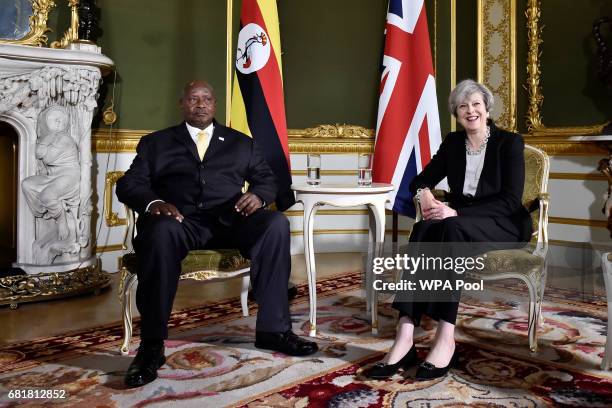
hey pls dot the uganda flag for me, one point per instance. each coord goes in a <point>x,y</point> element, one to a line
<point>258,107</point>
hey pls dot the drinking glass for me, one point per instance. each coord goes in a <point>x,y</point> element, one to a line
<point>364,164</point>
<point>314,169</point>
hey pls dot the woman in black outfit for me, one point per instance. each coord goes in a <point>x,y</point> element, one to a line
<point>485,168</point>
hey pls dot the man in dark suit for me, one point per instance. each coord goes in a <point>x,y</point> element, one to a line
<point>186,184</point>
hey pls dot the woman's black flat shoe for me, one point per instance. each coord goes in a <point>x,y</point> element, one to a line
<point>382,371</point>
<point>427,371</point>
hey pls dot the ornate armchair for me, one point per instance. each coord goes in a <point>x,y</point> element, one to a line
<point>200,265</point>
<point>527,264</point>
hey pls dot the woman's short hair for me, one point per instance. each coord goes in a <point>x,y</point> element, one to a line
<point>463,90</point>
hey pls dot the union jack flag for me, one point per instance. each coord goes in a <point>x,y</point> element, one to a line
<point>408,125</point>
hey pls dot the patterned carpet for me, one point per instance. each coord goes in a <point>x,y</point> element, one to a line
<point>211,360</point>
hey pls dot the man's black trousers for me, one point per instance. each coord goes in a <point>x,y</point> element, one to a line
<point>162,243</point>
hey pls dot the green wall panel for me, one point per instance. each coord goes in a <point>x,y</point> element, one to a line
<point>573,94</point>
<point>331,56</point>
<point>157,47</point>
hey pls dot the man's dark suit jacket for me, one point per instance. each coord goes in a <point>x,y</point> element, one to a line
<point>167,167</point>
<point>500,188</point>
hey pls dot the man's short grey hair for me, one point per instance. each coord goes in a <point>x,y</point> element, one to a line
<point>466,88</point>
<point>183,91</point>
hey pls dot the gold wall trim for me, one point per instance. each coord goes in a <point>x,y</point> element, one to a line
<point>229,59</point>
<point>453,55</point>
<point>557,145</point>
<point>309,141</point>
<point>535,126</point>
<point>557,242</point>
<point>327,172</point>
<point>346,232</point>
<point>38,24</point>
<point>578,176</point>
<point>581,245</point>
<point>111,217</point>
<point>109,248</point>
<point>578,221</point>
<point>119,141</point>
<point>341,139</point>
<point>496,60</point>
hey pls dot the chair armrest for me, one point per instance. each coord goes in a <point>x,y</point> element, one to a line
<point>542,243</point>
<point>129,230</point>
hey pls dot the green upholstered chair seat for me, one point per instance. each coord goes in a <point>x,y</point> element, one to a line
<point>511,260</point>
<point>203,264</point>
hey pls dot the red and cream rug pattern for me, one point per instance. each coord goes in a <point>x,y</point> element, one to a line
<point>211,360</point>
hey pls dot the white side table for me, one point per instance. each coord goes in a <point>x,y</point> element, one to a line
<point>340,195</point>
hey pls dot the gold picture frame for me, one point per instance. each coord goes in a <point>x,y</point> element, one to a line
<point>535,127</point>
<point>37,36</point>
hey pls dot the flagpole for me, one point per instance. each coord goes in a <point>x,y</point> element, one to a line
<point>228,63</point>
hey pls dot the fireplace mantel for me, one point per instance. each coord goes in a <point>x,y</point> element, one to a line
<point>49,97</point>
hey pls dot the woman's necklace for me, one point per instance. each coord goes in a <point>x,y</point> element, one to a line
<point>483,146</point>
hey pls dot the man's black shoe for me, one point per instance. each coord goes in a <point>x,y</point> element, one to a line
<point>288,343</point>
<point>143,369</point>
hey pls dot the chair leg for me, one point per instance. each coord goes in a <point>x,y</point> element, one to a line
<point>244,294</point>
<point>534,316</point>
<point>126,305</point>
<point>606,266</point>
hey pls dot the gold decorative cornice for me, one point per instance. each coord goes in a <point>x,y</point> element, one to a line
<point>558,145</point>
<point>311,141</point>
<point>316,145</point>
<point>119,141</point>
<point>38,25</point>
<point>319,139</point>
<point>534,89</point>
<point>336,131</point>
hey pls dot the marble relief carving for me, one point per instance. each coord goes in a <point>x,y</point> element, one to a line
<point>53,194</point>
<point>58,102</point>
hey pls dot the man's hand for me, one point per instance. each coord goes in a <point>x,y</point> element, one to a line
<point>162,208</point>
<point>248,204</point>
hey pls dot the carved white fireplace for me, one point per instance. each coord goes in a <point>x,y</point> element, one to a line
<point>49,96</point>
